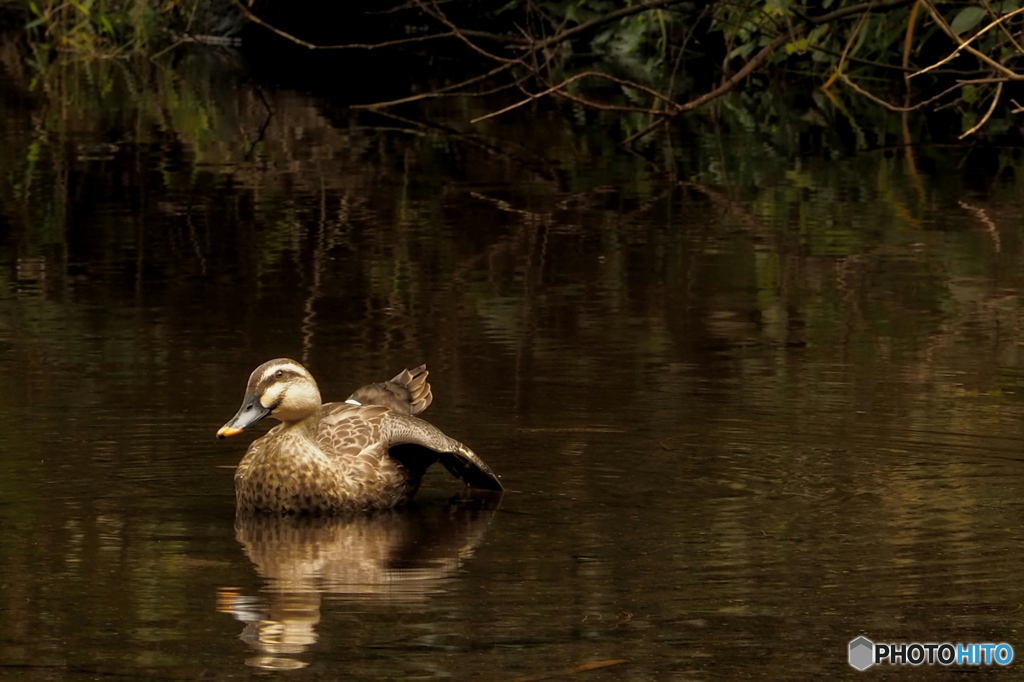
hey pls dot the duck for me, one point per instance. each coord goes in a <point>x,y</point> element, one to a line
<point>366,453</point>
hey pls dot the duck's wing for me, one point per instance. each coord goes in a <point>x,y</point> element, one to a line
<point>418,444</point>
<point>354,432</point>
<point>347,431</point>
<point>406,393</point>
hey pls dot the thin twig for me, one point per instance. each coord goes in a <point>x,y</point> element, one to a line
<point>892,107</point>
<point>601,20</point>
<point>572,79</point>
<point>1006,31</point>
<point>435,11</point>
<point>846,50</point>
<point>437,93</point>
<point>859,60</point>
<point>733,81</point>
<point>908,37</point>
<point>608,107</point>
<point>877,100</point>
<point>966,44</point>
<point>854,10</point>
<point>678,61</point>
<point>995,101</point>
<point>346,46</point>
<point>643,132</point>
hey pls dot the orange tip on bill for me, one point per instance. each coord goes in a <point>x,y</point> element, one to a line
<point>226,431</point>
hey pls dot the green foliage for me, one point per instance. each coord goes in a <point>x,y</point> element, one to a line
<point>114,28</point>
<point>93,27</point>
<point>659,53</point>
<point>882,51</point>
<point>967,19</point>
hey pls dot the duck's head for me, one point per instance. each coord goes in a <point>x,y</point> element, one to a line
<point>281,388</point>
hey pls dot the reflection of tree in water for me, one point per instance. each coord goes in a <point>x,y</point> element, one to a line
<point>399,555</point>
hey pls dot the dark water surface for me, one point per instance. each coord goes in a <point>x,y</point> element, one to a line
<point>744,411</point>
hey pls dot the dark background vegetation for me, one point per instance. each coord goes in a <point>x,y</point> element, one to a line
<point>648,62</point>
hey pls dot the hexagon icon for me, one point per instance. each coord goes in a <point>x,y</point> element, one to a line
<point>862,653</point>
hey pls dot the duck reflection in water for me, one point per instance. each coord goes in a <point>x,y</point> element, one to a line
<point>317,497</point>
<point>389,556</point>
<point>369,452</point>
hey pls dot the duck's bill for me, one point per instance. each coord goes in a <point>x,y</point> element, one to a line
<point>248,414</point>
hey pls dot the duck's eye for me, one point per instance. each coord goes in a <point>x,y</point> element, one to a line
<point>279,373</point>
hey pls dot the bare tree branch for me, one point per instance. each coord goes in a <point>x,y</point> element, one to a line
<point>602,20</point>
<point>992,107</point>
<point>966,45</point>
<point>892,107</point>
<point>440,92</point>
<point>375,46</point>
<point>572,79</point>
<point>434,11</point>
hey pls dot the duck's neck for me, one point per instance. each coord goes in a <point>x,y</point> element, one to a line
<point>306,427</point>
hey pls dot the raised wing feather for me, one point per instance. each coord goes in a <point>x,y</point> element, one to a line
<point>406,393</point>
